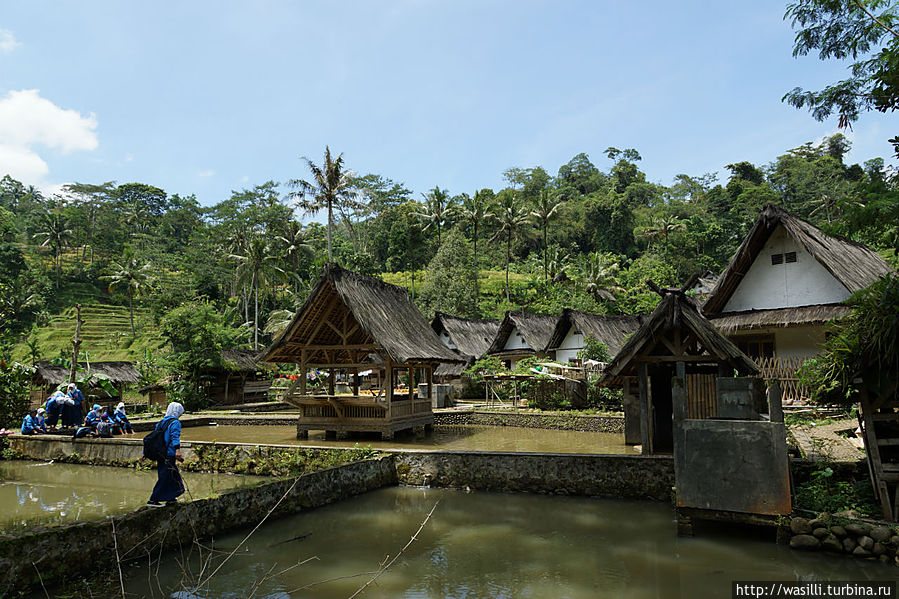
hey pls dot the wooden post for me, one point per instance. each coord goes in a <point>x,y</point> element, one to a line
<point>429,372</point>
<point>411,382</point>
<point>388,381</point>
<point>330,381</point>
<point>356,382</point>
<point>76,343</point>
<point>645,408</point>
<point>679,392</point>
<point>303,372</point>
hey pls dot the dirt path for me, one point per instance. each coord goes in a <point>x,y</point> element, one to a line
<point>825,443</point>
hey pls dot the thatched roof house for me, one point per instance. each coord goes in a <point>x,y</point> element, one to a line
<point>574,326</point>
<point>349,323</point>
<point>522,335</point>
<point>118,373</point>
<point>242,378</point>
<point>469,337</point>
<point>675,340</point>
<point>788,274</point>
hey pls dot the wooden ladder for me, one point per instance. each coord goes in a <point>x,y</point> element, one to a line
<point>880,422</point>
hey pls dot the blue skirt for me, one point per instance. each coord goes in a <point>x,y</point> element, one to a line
<point>169,485</point>
<point>71,415</point>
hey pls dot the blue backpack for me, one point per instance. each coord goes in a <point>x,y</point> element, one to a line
<point>154,443</point>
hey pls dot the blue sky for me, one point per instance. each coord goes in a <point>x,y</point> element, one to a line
<point>207,97</point>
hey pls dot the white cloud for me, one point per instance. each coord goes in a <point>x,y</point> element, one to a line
<point>28,120</point>
<point>8,41</point>
<point>207,173</point>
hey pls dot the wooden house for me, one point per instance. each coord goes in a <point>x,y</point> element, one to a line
<point>786,282</point>
<point>574,326</point>
<point>48,377</point>
<point>674,341</point>
<point>522,335</point>
<point>242,378</point>
<point>469,337</point>
<point>352,323</point>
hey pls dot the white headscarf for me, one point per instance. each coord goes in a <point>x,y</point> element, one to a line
<point>120,407</point>
<point>174,410</point>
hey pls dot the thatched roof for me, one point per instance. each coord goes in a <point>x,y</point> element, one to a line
<point>471,337</point>
<point>349,309</point>
<point>677,312</point>
<point>853,264</point>
<point>613,331</point>
<point>242,360</point>
<point>780,317</point>
<point>117,372</point>
<point>536,329</point>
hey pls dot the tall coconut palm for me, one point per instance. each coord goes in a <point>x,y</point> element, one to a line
<point>295,246</point>
<point>662,228</point>
<point>55,232</point>
<point>511,218</point>
<point>331,185</point>
<point>475,210</point>
<point>546,208</point>
<point>256,268</point>
<point>437,211</point>
<point>131,276</point>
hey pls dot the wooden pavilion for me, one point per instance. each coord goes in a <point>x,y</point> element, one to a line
<point>352,323</point>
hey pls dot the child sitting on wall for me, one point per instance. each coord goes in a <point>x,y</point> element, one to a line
<point>121,419</point>
<point>40,422</point>
<point>28,427</point>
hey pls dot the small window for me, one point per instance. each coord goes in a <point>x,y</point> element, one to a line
<point>777,259</point>
<point>790,257</point>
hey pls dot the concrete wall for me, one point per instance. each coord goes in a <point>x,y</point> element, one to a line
<point>802,283</point>
<point>622,477</point>
<point>50,550</point>
<point>561,421</point>
<point>570,346</point>
<point>516,340</point>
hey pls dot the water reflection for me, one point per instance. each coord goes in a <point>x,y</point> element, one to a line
<point>469,437</point>
<point>36,493</point>
<point>496,546</point>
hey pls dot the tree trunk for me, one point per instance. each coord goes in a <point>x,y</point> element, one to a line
<point>330,220</point>
<point>545,251</point>
<point>475,242</point>
<point>508,252</point>
<point>256,320</point>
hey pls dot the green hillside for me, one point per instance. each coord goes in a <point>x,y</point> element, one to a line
<point>105,334</point>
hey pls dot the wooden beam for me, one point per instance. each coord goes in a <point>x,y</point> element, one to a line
<point>335,329</point>
<point>371,346</point>
<point>685,358</point>
<point>645,408</point>
<point>347,365</point>
<point>325,315</point>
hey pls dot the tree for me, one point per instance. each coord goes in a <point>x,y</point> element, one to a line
<point>864,31</point>
<point>511,218</point>
<point>451,280</point>
<point>546,208</point>
<point>662,228</point>
<point>599,273</point>
<point>55,231</point>
<point>256,268</point>
<point>132,277</point>
<point>296,246</point>
<point>474,211</point>
<point>437,211</point>
<point>331,186</point>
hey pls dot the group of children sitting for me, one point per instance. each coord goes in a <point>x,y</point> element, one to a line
<point>100,421</point>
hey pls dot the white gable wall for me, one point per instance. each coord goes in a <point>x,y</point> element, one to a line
<point>516,341</point>
<point>444,336</point>
<point>791,342</point>
<point>570,346</point>
<point>802,283</point>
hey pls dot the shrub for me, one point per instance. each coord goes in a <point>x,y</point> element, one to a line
<point>15,380</point>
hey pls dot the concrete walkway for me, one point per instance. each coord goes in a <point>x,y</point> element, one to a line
<point>825,443</point>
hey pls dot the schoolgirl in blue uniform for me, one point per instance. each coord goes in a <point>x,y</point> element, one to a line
<point>28,427</point>
<point>71,413</point>
<point>169,485</point>
<point>54,407</point>
<point>93,417</point>
<point>40,423</point>
<point>121,419</point>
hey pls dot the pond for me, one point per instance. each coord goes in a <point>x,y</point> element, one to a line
<point>467,437</point>
<point>34,493</point>
<point>485,545</point>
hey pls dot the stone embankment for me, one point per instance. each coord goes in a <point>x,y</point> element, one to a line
<point>832,534</point>
<point>555,421</point>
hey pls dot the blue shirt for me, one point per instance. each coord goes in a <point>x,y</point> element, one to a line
<point>28,425</point>
<point>40,423</point>
<point>77,396</point>
<point>172,435</point>
<point>91,419</point>
<point>120,417</point>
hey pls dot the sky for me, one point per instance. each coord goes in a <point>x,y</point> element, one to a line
<point>208,97</point>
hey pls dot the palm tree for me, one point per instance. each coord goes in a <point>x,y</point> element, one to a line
<point>662,228</point>
<point>55,231</point>
<point>438,209</point>
<point>295,246</point>
<point>475,210</point>
<point>133,277</point>
<point>331,186</point>
<point>256,268</point>
<point>558,262</point>
<point>511,217</point>
<point>546,208</point>
<point>600,272</point>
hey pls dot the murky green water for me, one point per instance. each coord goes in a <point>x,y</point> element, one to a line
<point>34,493</point>
<point>472,438</point>
<point>489,545</point>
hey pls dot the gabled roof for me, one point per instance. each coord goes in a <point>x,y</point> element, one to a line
<point>117,372</point>
<point>853,264</point>
<point>536,329</point>
<point>779,317</point>
<point>362,311</point>
<point>242,360</point>
<point>677,312</point>
<point>613,331</point>
<point>471,337</point>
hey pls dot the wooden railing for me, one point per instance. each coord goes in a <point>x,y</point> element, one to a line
<point>783,370</point>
